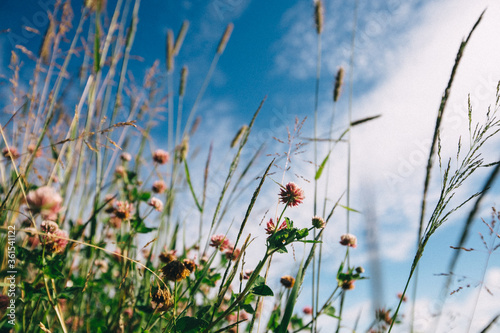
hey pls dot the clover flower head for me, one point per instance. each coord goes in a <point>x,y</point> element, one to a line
<point>349,240</point>
<point>271,228</point>
<point>126,157</point>
<point>46,201</point>
<point>160,156</point>
<point>291,195</point>
<point>219,241</point>
<point>318,222</point>
<point>123,209</point>
<point>159,186</point>
<point>156,203</point>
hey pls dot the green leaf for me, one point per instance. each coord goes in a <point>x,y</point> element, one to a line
<point>144,196</point>
<point>310,241</point>
<point>302,233</point>
<point>322,166</point>
<point>190,325</point>
<point>330,311</point>
<point>260,288</point>
<point>248,308</point>
<point>140,227</point>
<point>350,209</point>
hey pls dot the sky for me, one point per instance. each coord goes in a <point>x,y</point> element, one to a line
<point>403,55</point>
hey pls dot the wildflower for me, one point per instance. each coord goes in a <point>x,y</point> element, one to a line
<point>349,240</point>
<point>239,135</point>
<point>291,195</point>
<point>232,253</point>
<point>55,242</point>
<point>159,186</point>
<point>219,241</point>
<point>162,300</point>
<point>271,228</point>
<point>12,150</point>
<point>307,310</point>
<point>346,284</point>
<point>126,157</point>
<point>383,315</point>
<point>49,226</point>
<point>318,16</point>
<point>120,171</point>
<point>360,270</point>
<point>175,271</point>
<point>245,275</point>
<point>318,222</point>
<point>190,265</point>
<point>46,201</point>
<point>404,298</point>
<point>101,265</point>
<point>109,199</point>
<point>31,149</point>
<point>339,79</point>
<point>244,315</point>
<point>156,204</point>
<point>167,256</point>
<point>287,281</point>
<point>123,210</point>
<point>115,222</point>
<point>160,156</point>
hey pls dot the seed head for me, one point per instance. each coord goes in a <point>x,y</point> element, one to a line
<point>339,80</point>
<point>225,38</point>
<point>182,85</point>
<point>318,16</point>
<point>181,151</point>
<point>123,210</point>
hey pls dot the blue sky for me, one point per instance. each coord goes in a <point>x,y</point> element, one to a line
<point>403,56</point>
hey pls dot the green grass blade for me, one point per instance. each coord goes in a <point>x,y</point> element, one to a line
<point>188,179</point>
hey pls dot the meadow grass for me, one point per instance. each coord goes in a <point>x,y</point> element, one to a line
<point>94,197</point>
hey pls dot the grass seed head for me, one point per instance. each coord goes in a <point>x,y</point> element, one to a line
<point>318,16</point>
<point>225,38</point>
